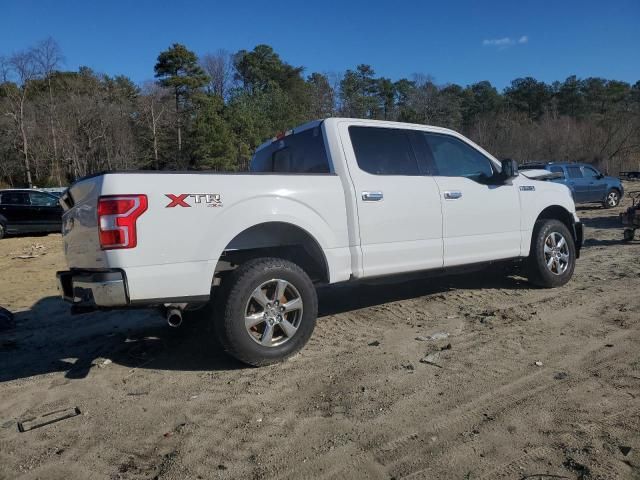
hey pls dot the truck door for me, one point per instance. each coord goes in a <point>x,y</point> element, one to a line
<point>481,219</point>
<point>398,206</point>
<point>577,183</point>
<point>596,185</point>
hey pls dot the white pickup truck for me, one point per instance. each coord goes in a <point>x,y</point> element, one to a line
<point>331,201</point>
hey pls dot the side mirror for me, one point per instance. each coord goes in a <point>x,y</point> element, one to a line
<point>509,169</point>
<point>600,176</point>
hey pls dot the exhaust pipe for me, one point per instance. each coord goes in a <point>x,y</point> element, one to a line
<point>174,317</point>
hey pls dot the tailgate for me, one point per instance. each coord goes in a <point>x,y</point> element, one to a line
<point>80,224</point>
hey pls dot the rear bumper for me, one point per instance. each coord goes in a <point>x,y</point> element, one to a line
<point>93,289</point>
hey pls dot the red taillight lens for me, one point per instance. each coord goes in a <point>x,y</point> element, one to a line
<point>117,215</point>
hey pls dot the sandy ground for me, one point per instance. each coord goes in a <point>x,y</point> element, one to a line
<point>158,403</point>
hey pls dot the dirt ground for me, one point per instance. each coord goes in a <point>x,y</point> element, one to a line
<point>536,383</point>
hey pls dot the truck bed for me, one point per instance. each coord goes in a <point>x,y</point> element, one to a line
<point>180,242</point>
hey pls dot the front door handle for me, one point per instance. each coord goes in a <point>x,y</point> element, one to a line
<point>372,196</point>
<point>452,195</point>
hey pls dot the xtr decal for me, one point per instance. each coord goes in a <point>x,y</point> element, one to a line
<point>180,200</point>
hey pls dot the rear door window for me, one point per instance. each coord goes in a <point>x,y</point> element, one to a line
<point>383,151</point>
<point>302,152</point>
<point>574,172</point>
<point>14,198</point>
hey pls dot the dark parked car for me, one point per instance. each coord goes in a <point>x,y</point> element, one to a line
<point>29,211</point>
<point>586,183</point>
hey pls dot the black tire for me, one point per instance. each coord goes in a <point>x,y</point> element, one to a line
<point>3,231</point>
<point>540,273</point>
<point>236,298</point>
<point>612,199</point>
<point>629,234</point>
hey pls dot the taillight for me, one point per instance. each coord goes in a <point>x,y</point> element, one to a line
<point>117,215</point>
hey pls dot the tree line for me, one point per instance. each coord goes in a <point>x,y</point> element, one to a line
<point>212,111</point>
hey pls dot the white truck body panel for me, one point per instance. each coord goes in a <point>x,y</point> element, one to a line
<point>412,227</point>
<point>482,224</point>
<point>178,248</point>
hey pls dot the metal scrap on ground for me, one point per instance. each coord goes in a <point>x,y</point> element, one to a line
<point>47,419</point>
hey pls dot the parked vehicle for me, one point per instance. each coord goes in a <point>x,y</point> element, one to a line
<point>586,183</point>
<point>631,175</point>
<point>330,201</point>
<point>29,211</point>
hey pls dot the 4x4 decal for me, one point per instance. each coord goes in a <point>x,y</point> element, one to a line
<point>180,200</point>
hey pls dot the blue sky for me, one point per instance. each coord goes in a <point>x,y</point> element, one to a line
<point>453,41</point>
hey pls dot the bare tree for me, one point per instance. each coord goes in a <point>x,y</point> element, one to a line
<point>48,57</point>
<point>153,105</point>
<point>219,68</point>
<point>24,68</point>
<point>4,69</point>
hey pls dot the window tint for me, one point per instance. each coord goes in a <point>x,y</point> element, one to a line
<point>589,172</point>
<point>14,198</point>
<point>454,158</point>
<point>574,172</point>
<point>383,151</point>
<point>42,199</point>
<point>302,152</point>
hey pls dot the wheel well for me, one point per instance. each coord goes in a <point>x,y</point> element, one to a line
<point>276,239</point>
<point>557,212</point>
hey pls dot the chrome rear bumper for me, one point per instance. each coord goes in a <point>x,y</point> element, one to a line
<point>93,289</point>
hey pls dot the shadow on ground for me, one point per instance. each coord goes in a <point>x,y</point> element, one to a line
<point>602,222</point>
<point>47,338</point>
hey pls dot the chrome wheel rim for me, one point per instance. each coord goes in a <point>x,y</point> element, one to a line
<point>273,313</point>
<point>556,253</point>
<point>612,199</point>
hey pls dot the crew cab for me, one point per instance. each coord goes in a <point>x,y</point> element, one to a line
<point>331,201</point>
<point>586,183</point>
<point>29,211</point>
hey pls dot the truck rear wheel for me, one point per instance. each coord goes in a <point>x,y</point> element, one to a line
<point>552,257</point>
<point>266,311</point>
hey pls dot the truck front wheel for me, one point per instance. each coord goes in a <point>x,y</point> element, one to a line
<point>266,311</point>
<point>552,257</point>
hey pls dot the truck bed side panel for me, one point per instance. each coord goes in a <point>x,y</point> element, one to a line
<point>179,246</point>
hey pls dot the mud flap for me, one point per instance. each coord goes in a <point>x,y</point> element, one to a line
<point>578,237</point>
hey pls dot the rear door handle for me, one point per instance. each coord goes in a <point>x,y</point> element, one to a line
<point>372,196</point>
<point>452,195</point>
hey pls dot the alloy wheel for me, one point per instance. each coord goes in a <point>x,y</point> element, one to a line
<point>556,253</point>
<point>273,313</point>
